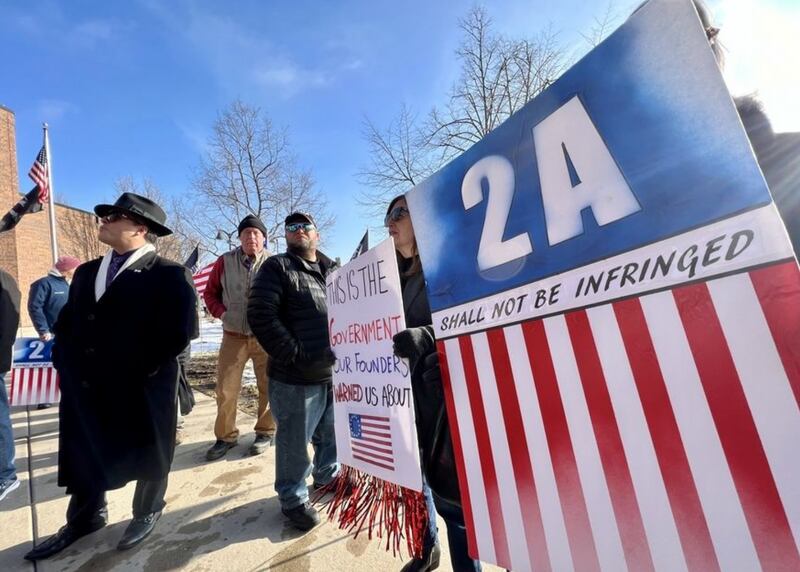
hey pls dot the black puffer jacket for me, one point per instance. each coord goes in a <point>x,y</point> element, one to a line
<point>288,314</point>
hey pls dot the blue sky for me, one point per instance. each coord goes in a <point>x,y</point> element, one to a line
<point>132,88</point>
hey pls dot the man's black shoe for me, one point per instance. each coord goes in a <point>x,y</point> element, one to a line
<point>303,517</point>
<point>424,564</point>
<point>60,540</point>
<point>218,450</point>
<point>261,444</point>
<point>139,529</point>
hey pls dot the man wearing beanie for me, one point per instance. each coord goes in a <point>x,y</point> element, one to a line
<point>226,296</point>
<point>49,294</point>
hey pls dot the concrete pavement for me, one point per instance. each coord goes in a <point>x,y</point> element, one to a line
<point>222,515</point>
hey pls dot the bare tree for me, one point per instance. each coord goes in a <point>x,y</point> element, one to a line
<point>250,169</point>
<point>498,77</point>
<point>602,25</point>
<point>399,159</point>
<point>77,231</point>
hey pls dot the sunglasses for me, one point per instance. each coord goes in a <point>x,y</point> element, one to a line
<point>295,226</point>
<point>394,215</point>
<point>114,217</point>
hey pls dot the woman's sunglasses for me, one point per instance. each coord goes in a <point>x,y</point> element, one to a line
<point>295,226</point>
<point>394,215</point>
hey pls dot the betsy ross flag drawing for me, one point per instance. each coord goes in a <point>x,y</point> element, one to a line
<point>371,440</point>
<point>618,328</point>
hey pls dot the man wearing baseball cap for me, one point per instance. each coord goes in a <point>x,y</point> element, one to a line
<point>226,298</point>
<point>128,316</point>
<point>289,316</point>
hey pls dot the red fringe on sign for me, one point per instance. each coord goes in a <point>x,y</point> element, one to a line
<point>361,501</point>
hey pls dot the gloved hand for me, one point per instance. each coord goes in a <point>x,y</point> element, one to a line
<point>412,343</point>
<point>431,372</point>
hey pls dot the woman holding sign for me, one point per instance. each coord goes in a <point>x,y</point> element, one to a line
<point>436,447</point>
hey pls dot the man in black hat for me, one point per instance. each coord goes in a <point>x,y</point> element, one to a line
<point>128,316</point>
<point>289,316</point>
<point>225,296</point>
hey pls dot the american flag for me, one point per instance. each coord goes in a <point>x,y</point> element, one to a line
<point>40,174</point>
<point>34,385</point>
<point>201,279</point>
<point>371,440</point>
<point>653,432</point>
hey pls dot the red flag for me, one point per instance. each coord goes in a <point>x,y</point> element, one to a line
<point>201,279</point>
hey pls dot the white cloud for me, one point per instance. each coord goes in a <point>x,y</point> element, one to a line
<point>196,135</point>
<point>48,21</point>
<point>237,54</point>
<point>54,109</point>
<point>91,32</point>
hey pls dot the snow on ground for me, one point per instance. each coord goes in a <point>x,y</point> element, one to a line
<point>208,344</point>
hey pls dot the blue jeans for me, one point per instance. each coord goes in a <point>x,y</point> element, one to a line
<point>453,517</point>
<point>304,413</point>
<point>7,470</point>
<point>431,536</point>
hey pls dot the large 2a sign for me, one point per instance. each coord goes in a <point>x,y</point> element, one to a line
<point>617,308</point>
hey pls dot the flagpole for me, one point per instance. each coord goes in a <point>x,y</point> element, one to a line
<point>51,200</point>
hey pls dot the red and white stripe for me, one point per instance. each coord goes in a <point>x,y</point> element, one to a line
<point>201,279</point>
<point>40,174</point>
<point>653,433</point>
<point>34,385</point>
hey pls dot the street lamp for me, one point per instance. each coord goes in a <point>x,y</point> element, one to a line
<point>225,235</point>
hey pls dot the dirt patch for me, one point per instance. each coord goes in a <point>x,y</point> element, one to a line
<point>201,371</point>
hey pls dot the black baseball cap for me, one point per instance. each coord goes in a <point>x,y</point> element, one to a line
<point>299,217</point>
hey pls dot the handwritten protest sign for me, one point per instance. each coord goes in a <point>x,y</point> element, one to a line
<point>373,407</point>
<point>34,380</point>
<point>619,322</point>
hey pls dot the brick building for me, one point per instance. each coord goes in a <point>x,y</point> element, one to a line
<point>25,250</point>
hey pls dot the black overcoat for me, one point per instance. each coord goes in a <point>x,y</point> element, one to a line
<point>118,368</point>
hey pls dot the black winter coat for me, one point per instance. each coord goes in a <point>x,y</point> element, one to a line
<point>288,314</point>
<point>9,318</point>
<point>433,430</point>
<point>118,367</point>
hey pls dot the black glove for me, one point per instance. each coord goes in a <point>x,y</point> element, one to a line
<point>412,343</point>
<point>431,372</point>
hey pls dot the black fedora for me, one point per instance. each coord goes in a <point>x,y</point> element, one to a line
<point>142,208</point>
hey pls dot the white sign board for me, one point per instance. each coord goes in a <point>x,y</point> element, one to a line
<point>373,407</point>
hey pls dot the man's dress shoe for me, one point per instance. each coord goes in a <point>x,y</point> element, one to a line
<point>139,529</point>
<point>60,540</point>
